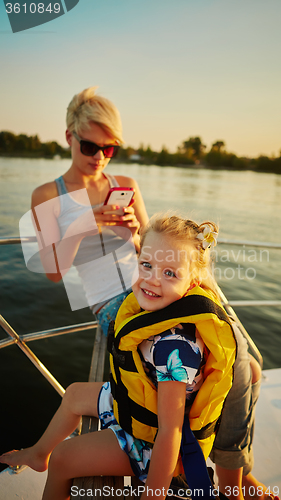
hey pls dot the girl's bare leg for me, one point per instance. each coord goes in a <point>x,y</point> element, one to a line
<point>96,453</point>
<point>79,399</point>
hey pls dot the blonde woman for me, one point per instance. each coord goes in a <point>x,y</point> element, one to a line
<point>77,227</point>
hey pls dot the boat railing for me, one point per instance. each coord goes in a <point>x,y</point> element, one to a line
<point>260,244</point>
<point>21,340</point>
<point>15,240</point>
<point>223,241</point>
<point>230,311</point>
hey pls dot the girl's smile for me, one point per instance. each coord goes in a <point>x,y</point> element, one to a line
<point>150,294</point>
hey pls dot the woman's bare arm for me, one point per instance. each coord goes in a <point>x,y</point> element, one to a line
<point>46,226</point>
<point>57,254</point>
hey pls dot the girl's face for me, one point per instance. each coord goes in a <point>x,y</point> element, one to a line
<point>90,165</point>
<point>163,272</point>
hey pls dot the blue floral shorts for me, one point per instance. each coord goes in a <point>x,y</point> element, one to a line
<point>138,451</point>
<point>108,312</point>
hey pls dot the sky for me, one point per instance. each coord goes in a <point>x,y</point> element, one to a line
<point>174,69</point>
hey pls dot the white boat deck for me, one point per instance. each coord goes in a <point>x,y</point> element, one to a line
<point>28,485</point>
<point>267,439</point>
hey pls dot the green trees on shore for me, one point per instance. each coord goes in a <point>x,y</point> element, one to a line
<point>24,145</point>
<point>192,151</point>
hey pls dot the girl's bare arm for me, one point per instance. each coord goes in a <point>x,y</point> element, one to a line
<point>171,405</point>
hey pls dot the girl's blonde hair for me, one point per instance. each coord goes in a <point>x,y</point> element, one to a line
<point>87,107</point>
<point>186,231</point>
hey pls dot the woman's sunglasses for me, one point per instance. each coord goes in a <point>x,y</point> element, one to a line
<point>89,148</point>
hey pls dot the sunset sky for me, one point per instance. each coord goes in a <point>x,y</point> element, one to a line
<point>174,68</point>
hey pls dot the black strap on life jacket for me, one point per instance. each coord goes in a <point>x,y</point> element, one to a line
<point>130,407</point>
<point>127,408</point>
<point>191,305</point>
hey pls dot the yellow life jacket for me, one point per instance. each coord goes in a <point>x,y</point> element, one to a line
<point>135,396</point>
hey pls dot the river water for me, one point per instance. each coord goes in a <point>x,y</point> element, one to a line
<point>246,205</point>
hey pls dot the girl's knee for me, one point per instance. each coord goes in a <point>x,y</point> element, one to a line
<point>80,398</point>
<point>58,460</point>
<point>71,395</point>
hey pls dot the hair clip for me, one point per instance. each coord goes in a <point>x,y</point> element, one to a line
<point>208,237</point>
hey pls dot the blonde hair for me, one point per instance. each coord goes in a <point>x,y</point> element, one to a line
<point>186,231</point>
<point>87,107</point>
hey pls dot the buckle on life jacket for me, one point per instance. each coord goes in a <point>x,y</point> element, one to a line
<point>120,358</point>
<point>124,359</point>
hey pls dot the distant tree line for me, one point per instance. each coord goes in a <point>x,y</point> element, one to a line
<point>24,145</point>
<point>191,152</point>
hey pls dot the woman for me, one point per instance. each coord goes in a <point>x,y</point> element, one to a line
<point>72,222</point>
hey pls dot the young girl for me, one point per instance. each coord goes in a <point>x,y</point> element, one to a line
<point>168,333</point>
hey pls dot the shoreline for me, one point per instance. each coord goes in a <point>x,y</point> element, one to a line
<point>196,166</point>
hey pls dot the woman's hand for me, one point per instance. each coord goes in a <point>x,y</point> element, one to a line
<point>87,223</point>
<point>139,211</point>
<point>108,215</point>
<point>130,220</point>
<point>120,220</point>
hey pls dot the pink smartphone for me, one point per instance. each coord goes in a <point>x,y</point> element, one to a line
<point>121,196</point>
